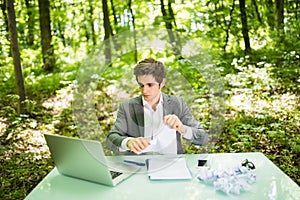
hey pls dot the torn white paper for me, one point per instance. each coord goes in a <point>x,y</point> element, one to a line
<point>164,141</point>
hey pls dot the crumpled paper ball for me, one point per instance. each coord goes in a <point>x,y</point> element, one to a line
<point>231,180</point>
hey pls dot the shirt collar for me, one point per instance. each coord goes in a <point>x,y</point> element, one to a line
<point>145,103</point>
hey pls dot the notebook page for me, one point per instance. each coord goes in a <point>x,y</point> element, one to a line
<point>168,168</point>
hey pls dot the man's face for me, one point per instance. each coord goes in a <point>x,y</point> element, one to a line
<point>150,88</point>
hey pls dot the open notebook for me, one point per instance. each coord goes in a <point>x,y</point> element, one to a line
<point>173,168</point>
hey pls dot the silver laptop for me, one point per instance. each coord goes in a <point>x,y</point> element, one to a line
<point>85,159</point>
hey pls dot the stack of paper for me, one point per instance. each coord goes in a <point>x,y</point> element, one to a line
<point>168,168</point>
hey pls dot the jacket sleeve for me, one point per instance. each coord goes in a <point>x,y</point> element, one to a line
<point>118,132</point>
<point>200,137</point>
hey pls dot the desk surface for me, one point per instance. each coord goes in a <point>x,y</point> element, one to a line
<point>271,183</point>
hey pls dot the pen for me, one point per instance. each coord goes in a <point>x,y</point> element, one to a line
<point>134,162</point>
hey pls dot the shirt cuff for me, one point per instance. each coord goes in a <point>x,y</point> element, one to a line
<point>188,134</point>
<point>124,144</point>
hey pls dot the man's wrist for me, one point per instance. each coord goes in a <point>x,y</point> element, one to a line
<point>183,129</point>
<point>124,143</point>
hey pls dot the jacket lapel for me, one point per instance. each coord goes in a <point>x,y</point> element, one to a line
<point>167,105</point>
<point>138,114</point>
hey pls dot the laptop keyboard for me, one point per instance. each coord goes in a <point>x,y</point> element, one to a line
<point>115,174</point>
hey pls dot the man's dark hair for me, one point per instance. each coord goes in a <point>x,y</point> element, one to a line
<point>150,66</point>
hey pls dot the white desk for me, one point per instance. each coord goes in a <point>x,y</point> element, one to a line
<point>271,182</point>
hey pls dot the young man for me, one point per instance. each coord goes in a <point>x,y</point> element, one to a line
<point>140,119</point>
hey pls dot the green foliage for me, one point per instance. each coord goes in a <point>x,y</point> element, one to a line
<point>262,113</point>
<point>64,124</point>
<point>278,138</point>
<point>44,85</point>
<point>22,171</point>
<point>287,71</point>
<point>22,164</point>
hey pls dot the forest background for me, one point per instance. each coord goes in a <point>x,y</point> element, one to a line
<point>253,48</point>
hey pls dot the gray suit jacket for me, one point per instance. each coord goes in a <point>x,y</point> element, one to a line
<point>130,122</point>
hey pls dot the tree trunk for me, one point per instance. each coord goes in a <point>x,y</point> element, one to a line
<point>107,32</point>
<point>280,19</point>
<point>245,26</point>
<point>280,14</point>
<point>228,26</point>
<point>134,33</point>
<point>297,9</point>
<point>171,13</point>
<point>270,14</point>
<point>46,37</point>
<point>257,11</point>
<point>169,26</point>
<point>30,22</point>
<point>61,33</point>
<point>114,13</point>
<point>3,8</point>
<point>59,24</point>
<point>16,56</point>
<point>91,20</point>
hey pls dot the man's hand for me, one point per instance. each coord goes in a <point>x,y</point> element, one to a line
<point>138,144</point>
<point>174,122</point>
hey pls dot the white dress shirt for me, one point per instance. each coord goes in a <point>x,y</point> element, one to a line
<point>153,121</point>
